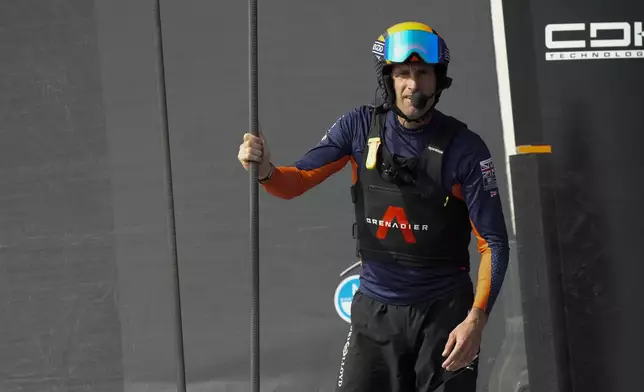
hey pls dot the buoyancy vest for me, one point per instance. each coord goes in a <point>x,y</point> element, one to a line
<point>403,213</point>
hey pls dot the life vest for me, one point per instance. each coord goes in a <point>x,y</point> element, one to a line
<point>403,214</point>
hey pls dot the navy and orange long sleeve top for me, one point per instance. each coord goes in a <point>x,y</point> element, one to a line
<point>468,173</point>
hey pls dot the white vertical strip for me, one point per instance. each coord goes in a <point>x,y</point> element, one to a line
<point>505,99</point>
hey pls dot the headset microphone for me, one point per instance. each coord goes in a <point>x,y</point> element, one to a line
<point>419,100</point>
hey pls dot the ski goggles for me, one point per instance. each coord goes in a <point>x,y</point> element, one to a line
<point>401,44</point>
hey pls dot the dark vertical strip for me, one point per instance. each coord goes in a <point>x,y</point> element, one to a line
<point>172,240</point>
<point>254,205</point>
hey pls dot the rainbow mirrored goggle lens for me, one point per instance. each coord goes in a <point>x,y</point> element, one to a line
<point>400,45</point>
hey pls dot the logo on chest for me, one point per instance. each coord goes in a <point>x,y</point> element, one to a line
<point>396,218</point>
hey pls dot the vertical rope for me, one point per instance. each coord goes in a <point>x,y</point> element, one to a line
<point>254,205</point>
<point>172,233</point>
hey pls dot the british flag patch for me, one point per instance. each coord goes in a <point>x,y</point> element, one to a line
<point>489,174</point>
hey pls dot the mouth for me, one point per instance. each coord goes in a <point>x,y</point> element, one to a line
<point>408,102</point>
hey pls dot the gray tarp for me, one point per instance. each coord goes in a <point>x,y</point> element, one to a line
<point>85,273</point>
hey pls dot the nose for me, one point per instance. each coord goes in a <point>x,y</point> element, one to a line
<point>411,82</point>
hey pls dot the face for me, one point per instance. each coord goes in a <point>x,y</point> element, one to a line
<point>409,78</point>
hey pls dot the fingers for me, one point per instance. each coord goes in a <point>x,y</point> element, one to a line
<point>449,346</point>
<point>251,150</point>
<point>461,352</point>
<point>455,357</point>
<point>461,358</point>
<point>249,137</point>
<point>250,154</point>
<point>253,142</point>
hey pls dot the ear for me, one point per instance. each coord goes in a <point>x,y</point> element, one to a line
<point>447,83</point>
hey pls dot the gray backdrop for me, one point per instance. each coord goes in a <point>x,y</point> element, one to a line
<point>86,272</point>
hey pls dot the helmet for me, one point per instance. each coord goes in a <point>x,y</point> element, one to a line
<point>409,42</point>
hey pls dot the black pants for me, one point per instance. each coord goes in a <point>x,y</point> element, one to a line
<point>393,348</point>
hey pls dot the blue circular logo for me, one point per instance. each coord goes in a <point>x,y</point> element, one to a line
<point>344,296</point>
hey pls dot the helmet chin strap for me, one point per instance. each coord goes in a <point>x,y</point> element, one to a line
<point>418,100</point>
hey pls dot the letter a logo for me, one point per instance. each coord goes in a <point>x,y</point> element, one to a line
<point>399,214</point>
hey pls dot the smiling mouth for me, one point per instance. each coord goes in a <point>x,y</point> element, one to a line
<point>409,101</point>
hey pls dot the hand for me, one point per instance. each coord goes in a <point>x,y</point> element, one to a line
<point>255,149</point>
<point>464,341</point>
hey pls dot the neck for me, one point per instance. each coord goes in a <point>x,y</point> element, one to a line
<point>414,124</point>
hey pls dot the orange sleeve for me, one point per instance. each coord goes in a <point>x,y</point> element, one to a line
<point>288,182</point>
<point>484,282</point>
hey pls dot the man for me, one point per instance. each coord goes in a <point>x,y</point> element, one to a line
<point>422,182</point>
